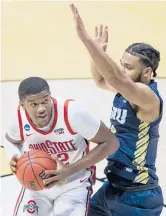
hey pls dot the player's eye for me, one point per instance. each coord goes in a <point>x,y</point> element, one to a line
<point>45,101</point>
<point>129,67</point>
<point>34,104</point>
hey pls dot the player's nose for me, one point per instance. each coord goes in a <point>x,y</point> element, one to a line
<point>41,109</point>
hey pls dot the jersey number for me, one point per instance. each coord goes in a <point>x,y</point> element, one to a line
<point>63,157</point>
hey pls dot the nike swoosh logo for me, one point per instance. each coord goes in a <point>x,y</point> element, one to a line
<point>83,180</point>
<point>28,134</point>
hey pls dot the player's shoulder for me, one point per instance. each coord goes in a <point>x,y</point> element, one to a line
<point>12,124</point>
<point>63,101</point>
<point>12,117</point>
<point>71,105</point>
<point>153,85</point>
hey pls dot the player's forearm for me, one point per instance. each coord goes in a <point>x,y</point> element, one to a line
<point>97,154</point>
<point>96,74</point>
<point>108,69</point>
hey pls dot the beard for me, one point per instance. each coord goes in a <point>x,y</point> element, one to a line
<point>139,78</point>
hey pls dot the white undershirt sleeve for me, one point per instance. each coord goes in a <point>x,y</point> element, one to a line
<point>81,121</point>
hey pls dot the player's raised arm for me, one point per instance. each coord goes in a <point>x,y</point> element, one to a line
<point>101,38</point>
<point>142,95</point>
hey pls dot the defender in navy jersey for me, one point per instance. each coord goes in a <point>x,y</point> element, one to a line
<point>136,157</point>
<point>132,188</point>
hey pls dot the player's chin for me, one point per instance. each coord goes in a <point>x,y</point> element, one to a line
<point>43,121</point>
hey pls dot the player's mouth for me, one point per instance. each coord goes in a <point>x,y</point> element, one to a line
<point>43,116</point>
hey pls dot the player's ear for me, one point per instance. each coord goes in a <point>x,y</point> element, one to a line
<point>22,104</point>
<point>147,74</point>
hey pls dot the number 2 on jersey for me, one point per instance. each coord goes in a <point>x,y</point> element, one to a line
<point>63,157</point>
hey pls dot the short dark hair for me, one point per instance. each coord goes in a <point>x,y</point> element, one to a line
<point>149,56</point>
<point>32,85</point>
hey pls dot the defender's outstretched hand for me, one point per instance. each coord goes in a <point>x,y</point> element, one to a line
<point>101,36</point>
<point>80,28</point>
<point>101,32</point>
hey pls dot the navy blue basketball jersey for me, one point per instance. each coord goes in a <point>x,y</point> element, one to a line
<point>135,159</point>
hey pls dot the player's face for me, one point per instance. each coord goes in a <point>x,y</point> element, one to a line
<point>131,66</point>
<point>38,107</point>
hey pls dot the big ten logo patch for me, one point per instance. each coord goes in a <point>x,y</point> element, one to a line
<point>31,207</point>
<point>59,131</point>
<point>119,115</point>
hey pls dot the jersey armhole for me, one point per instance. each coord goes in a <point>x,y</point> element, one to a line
<point>66,104</point>
<point>20,123</point>
<point>87,146</point>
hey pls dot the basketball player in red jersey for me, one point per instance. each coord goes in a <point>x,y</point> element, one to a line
<point>62,128</point>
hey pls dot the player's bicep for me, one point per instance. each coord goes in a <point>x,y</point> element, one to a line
<point>104,134</point>
<point>12,147</point>
<point>13,131</point>
<point>138,94</point>
<point>103,84</point>
<point>82,122</point>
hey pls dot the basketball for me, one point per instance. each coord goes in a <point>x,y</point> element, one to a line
<point>30,169</point>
